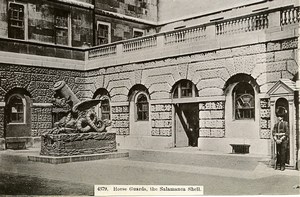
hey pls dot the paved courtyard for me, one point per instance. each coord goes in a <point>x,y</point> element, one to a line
<point>220,174</point>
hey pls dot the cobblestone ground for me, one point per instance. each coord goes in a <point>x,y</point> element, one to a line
<point>21,177</point>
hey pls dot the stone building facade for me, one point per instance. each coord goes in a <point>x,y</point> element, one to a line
<point>213,80</point>
<point>118,20</point>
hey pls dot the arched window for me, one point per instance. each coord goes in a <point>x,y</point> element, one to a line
<point>244,101</point>
<point>142,107</point>
<point>184,89</point>
<point>16,109</point>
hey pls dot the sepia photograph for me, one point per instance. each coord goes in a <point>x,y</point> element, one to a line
<point>149,97</point>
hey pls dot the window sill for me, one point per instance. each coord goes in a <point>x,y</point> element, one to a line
<point>16,123</point>
<point>244,120</point>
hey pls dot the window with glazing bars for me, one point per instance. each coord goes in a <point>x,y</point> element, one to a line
<point>244,101</point>
<point>61,27</point>
<point>102,34</point>
<point>16,28</point>
<point>142,107</point>
<point>16,110</point>
<point>105,109</point>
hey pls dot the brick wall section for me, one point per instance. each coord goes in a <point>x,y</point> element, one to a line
<point>212,121</point>
<point>41,119</point>
<point>265,119</point>
<point>161,120</point>
<point>120,119</point>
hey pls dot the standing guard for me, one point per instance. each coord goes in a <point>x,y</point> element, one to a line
<point>281,137</point>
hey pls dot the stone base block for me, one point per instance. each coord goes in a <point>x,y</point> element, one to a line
<point>18,143</point>
<point>257,146</point>
<point>2,143</point>
<point>59,145</point>
<point>68,159</point>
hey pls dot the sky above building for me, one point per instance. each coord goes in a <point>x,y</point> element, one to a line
<point>175,9</point>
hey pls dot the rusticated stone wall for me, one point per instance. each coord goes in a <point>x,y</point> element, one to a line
<point>161,120</point>
<point>120,119</point>
<point>209,71</point>
<point>265,62</point>
<point>116,80</point>
<point>265,118</point>
<point>41,119</point>
<point>212,123</point>
<point>38,82</point>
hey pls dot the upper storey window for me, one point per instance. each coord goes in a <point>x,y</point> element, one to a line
<point>103,33</point>
<point>137,33</point>
<point>16,21</point>
<point>62,28</point>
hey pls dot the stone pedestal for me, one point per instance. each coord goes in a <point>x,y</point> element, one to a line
<point>77,144</point>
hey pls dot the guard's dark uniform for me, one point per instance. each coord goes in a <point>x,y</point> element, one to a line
<point>281,137</point>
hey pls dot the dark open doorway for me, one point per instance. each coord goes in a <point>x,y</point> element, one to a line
<point>186,124</point>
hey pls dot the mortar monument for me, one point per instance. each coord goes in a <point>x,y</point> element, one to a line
<point>80,131</point>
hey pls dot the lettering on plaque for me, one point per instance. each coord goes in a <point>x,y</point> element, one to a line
<point>84,144</point>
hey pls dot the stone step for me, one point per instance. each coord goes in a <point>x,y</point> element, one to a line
<point>77,158</point>
<point>195,157</point>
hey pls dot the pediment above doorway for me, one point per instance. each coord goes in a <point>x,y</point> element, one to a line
<point>283,87</point>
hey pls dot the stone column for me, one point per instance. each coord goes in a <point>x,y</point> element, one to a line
<point>297,103</point>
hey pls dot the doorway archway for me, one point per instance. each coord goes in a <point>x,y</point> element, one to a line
<point>186,116</point>
<point>17,115</point>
